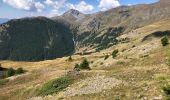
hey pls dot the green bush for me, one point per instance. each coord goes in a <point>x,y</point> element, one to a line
<point>114,53</point>
<point>70,58</point>
<point>76,66</point>
<point>56,85</point>
<point>106,57</point>
<point>84,64</point>
<point>166,90</point>
<point>165,41</point>
<point>10,72</point>
<point>19,71</point>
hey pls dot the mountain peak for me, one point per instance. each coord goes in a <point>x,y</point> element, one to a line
<point>73,12</point>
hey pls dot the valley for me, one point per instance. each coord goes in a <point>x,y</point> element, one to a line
<point>137,72</point>
<point>119,54</point>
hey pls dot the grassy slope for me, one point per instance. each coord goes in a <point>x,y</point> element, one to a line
<point>144,75</point>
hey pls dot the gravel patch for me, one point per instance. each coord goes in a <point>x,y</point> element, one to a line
<point>36,98</point>
<point>91,85</point>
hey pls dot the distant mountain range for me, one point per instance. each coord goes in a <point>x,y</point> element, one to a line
<point>42,38</point>
<point>3,20</point>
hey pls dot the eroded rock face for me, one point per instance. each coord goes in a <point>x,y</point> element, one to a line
<point>32,39</point>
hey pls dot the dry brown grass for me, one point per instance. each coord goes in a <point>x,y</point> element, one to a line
<point>143,74</point>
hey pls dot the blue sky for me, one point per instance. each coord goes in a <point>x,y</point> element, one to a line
<point>49,8</point>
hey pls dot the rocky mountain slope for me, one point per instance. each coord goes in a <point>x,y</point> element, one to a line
<point>45,38</point>
<point>99,30</point>
<point>139,72</point>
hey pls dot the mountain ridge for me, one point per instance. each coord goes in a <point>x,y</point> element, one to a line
<point>92,32</point>
<point>3,20</point>
<point>127,17</point>
<point>32,39</point>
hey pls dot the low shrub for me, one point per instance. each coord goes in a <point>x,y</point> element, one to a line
<point>166,90</point>
<point>19,71</point>
<point>114,53</point>
<point>123,50</point>
<point>133,46</point>
<point>165,41</point>
<point>106,57</point>
<point>76,66</point>
<point>56,85</point>
<point>83,65</point>
<point>101,63</point>
<point>70,58</point>
<point>10,72</point>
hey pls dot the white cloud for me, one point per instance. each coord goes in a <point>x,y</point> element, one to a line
<point>55,4</point>
<point>39,6</point>
<point>49,2</point>
<point>108,4</point>
<point>54,12</point>
<point>82,7</point>
<point>28,5</point>
<point>20,4</point>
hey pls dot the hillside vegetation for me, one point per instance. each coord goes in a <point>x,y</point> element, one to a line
<point>34,39</point>
<point>137,72</point>
<point>120,54</point>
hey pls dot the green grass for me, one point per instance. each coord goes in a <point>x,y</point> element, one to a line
<point>55,85</point>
